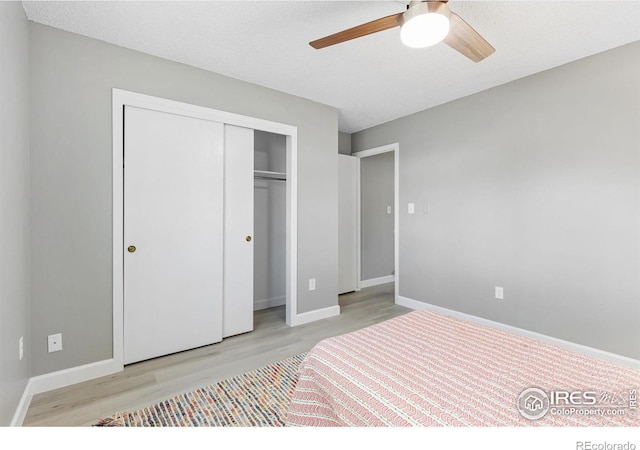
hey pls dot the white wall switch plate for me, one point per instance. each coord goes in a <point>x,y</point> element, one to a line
<point>55,342</point>
<point>388,209</point>
<point>499,293</point>
<point>21,347</point>
<point>412,208</point>
<point>312,284</point>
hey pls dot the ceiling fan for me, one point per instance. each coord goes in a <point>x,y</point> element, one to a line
<point>423,24</point>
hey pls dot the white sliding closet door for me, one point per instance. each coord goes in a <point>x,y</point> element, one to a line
<point>238,230</point>
<point>173,233</point>
<point>347,223</point>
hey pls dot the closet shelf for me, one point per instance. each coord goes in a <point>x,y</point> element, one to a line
<point>269,175</point>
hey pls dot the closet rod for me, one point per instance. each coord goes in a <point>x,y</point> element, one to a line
<point>264,174</point>
<point>258,177</point>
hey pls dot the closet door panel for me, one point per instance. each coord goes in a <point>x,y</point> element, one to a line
<point>347,223</point>
<point>238,230</point>
<point>173,233</point>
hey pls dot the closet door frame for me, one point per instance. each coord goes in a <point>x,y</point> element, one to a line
<point>122,98</point>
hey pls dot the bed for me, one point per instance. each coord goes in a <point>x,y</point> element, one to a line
<point>428,369</point>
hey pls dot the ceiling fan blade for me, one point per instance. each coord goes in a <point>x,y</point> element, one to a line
<point>374,26</point>
<point>466,40</point>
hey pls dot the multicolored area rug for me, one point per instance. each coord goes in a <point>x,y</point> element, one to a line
<point>259,398</point>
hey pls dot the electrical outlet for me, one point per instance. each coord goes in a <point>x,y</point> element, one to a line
<point>21,347</point>
<point>411,208</point>
<point>499,293</point>
<point>388,209</point>
<point>312,284</point>
<point>55,342</point>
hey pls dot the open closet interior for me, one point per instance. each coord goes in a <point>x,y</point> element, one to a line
<point>270,181</point>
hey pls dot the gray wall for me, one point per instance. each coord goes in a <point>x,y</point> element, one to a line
<point>14,207</point>
<point>269,248</point>
<point>344,143</point>
<point>377,192</point>
<point>71,81</point>
<point>533,186</point>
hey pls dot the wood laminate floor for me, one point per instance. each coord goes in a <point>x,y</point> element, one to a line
<point>148,382</point>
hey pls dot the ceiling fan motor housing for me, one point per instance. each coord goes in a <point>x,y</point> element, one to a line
<point>418,8</point>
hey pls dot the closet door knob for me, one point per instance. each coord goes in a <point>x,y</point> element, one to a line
<point>248,238</point>
<point>132,248</point>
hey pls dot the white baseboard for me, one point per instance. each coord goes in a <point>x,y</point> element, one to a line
<point>318,314</point>
<point>268,303</point>
<point>578,348</point>
<point>73,375</point>
<point>376,281</point>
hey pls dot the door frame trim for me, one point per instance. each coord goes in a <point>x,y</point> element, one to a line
<point>395,148</point>
<point>121,98</point>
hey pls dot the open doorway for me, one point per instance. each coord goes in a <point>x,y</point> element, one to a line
<point>377,215</point>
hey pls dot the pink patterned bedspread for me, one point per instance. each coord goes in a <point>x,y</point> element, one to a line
<point>428,369</point>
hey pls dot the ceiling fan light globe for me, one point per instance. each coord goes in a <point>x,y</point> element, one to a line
<point>424,30</point>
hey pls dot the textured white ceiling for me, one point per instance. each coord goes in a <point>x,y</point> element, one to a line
<point>371,80</point>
